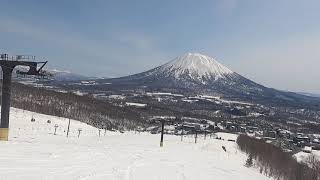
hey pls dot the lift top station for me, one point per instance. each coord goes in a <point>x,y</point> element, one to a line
<point>8,63</point>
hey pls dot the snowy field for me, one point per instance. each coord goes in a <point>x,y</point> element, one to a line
<point>33,152</point>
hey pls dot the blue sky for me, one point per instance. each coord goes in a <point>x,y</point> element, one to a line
<point>275,42</point>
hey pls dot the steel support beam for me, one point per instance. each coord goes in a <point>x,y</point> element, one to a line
<point>5,101</point>
<point>7,67</point>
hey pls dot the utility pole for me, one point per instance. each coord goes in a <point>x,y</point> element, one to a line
<point>7,65</point>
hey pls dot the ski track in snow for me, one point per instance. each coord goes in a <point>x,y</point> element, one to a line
<point>33,152</point>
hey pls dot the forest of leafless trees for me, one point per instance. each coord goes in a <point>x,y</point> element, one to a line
<point>273,162</point>
<point>83,108</point>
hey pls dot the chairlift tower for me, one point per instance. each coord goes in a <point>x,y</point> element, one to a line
<point>163,120</point>
<point>8,63</point>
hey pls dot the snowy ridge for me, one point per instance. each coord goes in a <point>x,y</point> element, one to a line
<point>196,66</point>
<point>58,75</point>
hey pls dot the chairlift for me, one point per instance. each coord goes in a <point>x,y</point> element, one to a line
<point>18,75</point>
<point>33,69</point>
<point>44,75</point>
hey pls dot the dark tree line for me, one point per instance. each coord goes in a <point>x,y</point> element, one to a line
<point>86,109</point>
<point>273,162</point>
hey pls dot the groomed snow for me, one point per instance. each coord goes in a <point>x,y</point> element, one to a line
<point>33,152</point>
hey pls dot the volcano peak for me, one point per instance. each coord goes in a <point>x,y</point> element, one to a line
<point>196,66</point>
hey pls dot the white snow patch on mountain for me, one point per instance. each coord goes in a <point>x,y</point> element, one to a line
<point>197,66</point>
<point>136,104</point>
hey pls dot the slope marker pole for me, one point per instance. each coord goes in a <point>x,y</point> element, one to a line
<point>162,130</point>
<point>68,128</point>
<point>182,132</point>
<point>196,137</point>
<point>79,131</point>
<point>55,129</point>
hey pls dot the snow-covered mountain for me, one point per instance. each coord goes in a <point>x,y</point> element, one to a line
<point>53,74</point>
<point>189,71</point>
<point>67,75</point>
<point>192,72</point>
<point>309,94</point>
<point>197,73</point>
<point>197,67</point>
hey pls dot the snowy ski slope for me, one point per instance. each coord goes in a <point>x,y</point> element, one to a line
<point>33,152</point>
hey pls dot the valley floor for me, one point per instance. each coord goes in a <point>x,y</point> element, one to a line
<point>33,152</point>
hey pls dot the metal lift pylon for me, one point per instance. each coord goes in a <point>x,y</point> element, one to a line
<point>8,64</point>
